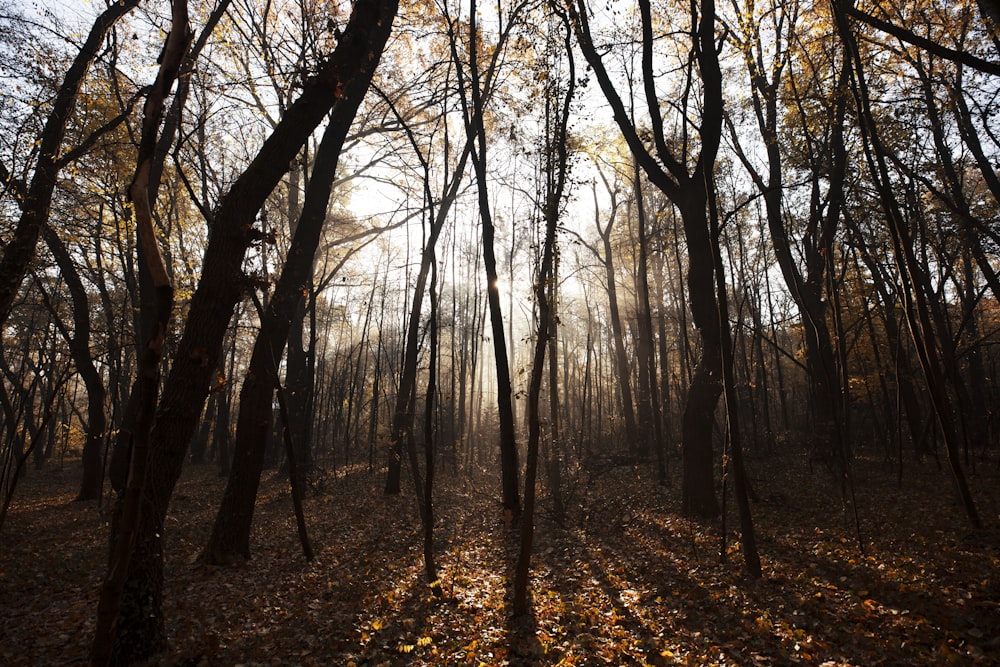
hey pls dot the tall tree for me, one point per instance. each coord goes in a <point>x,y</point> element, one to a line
<point>162,302</point>
<point>80,349</point>
<point>910,270</point>
<point>555,156</point>
<point>685,179</point>
<point>825,156</point>
<point>402,417</point>
<point>473,96</point>
<point>230,539</point>
<point>83,357</point>
<point>341,79</point>
<point>606,257</point>
<point>653,425</point>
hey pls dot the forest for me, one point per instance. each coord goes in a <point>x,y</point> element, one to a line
<point>535,332</point>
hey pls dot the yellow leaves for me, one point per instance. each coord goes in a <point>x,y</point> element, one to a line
<point>378,624</point>
<point>424,641</point>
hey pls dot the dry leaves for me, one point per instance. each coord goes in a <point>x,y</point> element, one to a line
<point>623,581</point>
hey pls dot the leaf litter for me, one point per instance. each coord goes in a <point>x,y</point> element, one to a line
<point>622,579</point>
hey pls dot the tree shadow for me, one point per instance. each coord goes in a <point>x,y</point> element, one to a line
<point>523,647</point>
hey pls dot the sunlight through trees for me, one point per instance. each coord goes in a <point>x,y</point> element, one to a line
<point>509,250</point>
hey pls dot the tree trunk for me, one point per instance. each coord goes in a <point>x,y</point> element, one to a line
<point>911,274</point>
<point>342,79</point>
<point>230,539</point>
<point>402,420</point>
<point>97,419</point>
<point>806,291</point>
<point>112,629</point>
<point>476,131</point>
<point>427,512</point>
<point>621,359</point>
<point>555,176</point>
<point>685,187</point>
<point>698,497</point>
<point>645,345</point>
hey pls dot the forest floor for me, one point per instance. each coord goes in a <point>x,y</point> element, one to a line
<point>623,580</point>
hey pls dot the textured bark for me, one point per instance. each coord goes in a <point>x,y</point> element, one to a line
<point>141,278</point>
<point>108,641</point>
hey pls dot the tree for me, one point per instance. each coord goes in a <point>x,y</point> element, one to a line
<point>339,80</point>
<point>558,101</point>
<point>20,249</point>
<point>473,111</point>
<point>668,166</point>
<point>112,590</point>
<point>79,344</point>
<point>910,270</point>
<point>402,416</point>
<point>825,157</point>
<point>606,257</point>
<point>230,538</point>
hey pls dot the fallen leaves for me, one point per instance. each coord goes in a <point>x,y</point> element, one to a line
<point>648,590</point>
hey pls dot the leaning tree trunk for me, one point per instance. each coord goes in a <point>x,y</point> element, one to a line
<point>219,290</point>
<point>142,280</point>
<point>79,344</point>
<point>402,416</point>
<point>916,308</point>
<point>230,539</point>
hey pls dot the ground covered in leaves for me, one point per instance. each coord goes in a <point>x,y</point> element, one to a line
<point>621,580</point>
